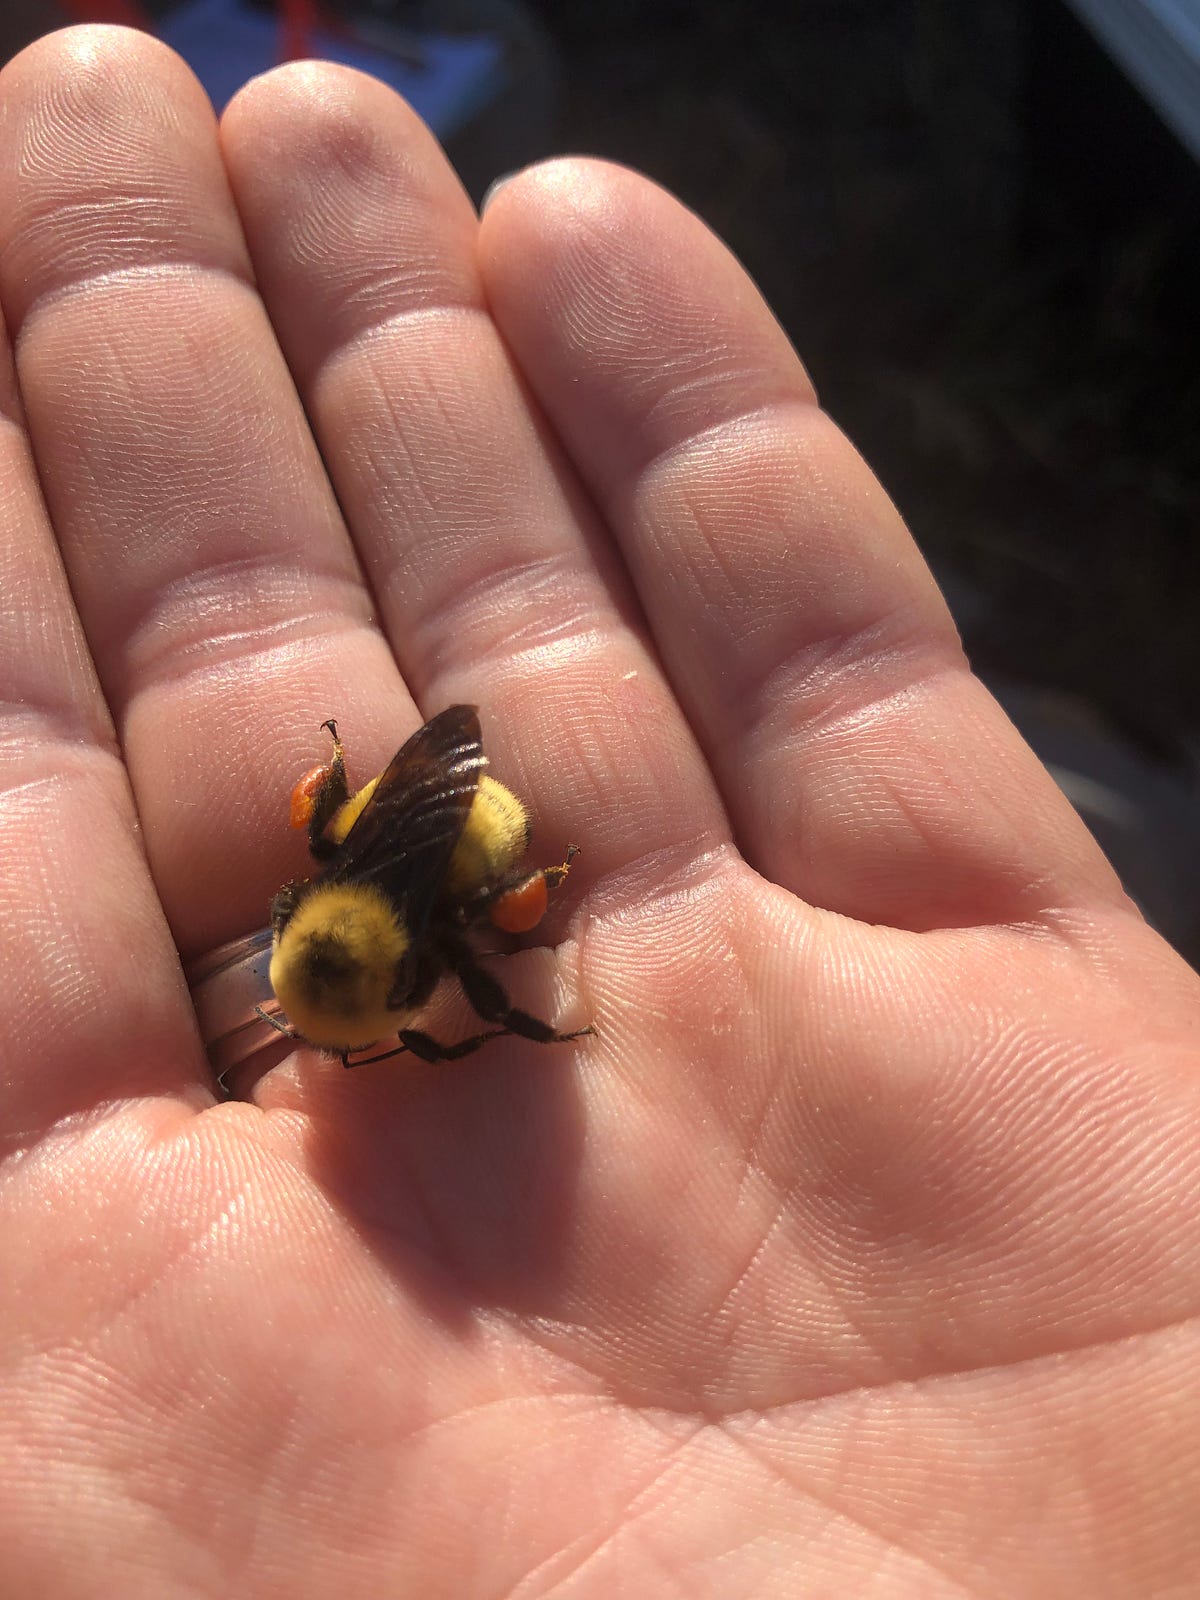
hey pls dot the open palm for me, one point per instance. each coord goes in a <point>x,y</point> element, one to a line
<point>856,1254</point>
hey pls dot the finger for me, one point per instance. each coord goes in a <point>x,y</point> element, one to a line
<point>491,577</point>
<point>205,549</point>
<point>92,1002</point>
<point>863,766</point>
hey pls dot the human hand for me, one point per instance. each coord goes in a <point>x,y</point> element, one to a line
<point>856,1254</point>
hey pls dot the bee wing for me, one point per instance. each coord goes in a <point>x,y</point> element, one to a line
<point>403,838</point>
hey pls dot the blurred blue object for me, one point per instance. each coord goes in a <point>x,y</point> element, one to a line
<point>446,79</point>
<point>1157,43</point>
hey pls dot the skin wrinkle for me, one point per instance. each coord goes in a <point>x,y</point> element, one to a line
<point>199,478</point>
<point>413,472</point>
<point>577,641</point>
<point>494,588</point>
<point>279,1451</point>
<point>811,1406</point>
<point>157,1281</point>
<point>1020,889</point>
<point>124,1486</point>
<point>954,1410</point>
<point>485,1407</point>
<point>199,512</point>
<point>131,208</point>
<point>129,1555</point>
<point>194,599</point>
<point>781,1206</point>
<point>552,1340</point>
<point>735,427</point>
<point>392,458</point>
<point>629,1525</point>
<point>250,649</point>
<point>247,1555</point>
<point>594,1403</point>
<point>161,269</point>
<point>667,1583</point>
<point>1013,880</point>
<point>726,1303</point>
<point>35,635</point>
<point>889,1542</point>
<point>660,874</point>
<point>326,232</point>
<point>860,674</point>
<point>525,1590</point>
<point>591,323</point>
<point>61,732</point>
<point>689,392</point>
<point>364,338</point>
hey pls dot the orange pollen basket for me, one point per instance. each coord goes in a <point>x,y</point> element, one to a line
<point>521,908</point>
<point>304,794</point>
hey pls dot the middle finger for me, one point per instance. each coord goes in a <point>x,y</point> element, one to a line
<point>492,577</point>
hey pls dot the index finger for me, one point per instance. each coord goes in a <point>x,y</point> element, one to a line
<point>863,764</point>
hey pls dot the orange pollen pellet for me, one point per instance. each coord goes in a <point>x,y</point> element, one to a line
<point>304,795</point>
<point>521,908</point>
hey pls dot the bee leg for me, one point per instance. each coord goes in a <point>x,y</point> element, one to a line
<point>276,1023</point>
<point>369,1061</point>
<point>329,799</point>
<point>282,907</point>
<point>555,875</point>
<point>486,993</point>
<point>428,1048</point>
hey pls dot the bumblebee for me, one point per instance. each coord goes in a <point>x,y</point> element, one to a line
<point>412,864</point>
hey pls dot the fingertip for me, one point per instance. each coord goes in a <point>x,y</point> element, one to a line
<point>310,114</point>
<point>87,55</point>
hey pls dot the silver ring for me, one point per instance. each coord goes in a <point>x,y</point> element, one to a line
<point>227,985</point>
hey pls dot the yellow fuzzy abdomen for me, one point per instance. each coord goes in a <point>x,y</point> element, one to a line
<point>494,839</point>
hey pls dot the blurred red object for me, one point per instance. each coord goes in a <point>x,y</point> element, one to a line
<point>298,21</point>
<point>123,12</point>
<point>297,24</point>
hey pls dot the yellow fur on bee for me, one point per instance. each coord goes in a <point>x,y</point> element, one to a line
<point>334,963</point>
<point>346,814</point>
<point>493,840</point>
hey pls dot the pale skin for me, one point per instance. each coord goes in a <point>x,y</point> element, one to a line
<point>858,1253</point>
